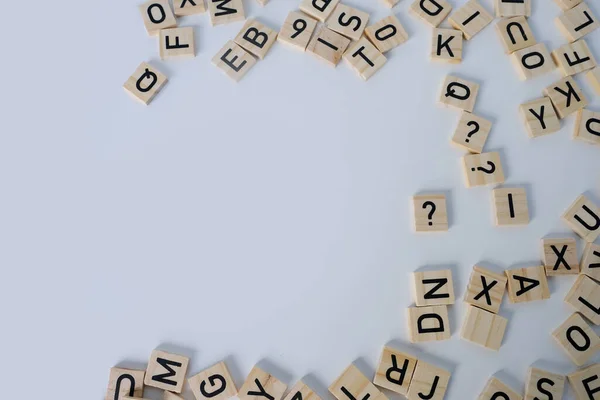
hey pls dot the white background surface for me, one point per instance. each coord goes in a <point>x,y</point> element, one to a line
<point>266,221</point>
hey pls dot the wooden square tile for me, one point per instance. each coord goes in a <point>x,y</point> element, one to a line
<point>590,262</point>
<point>225,11</point>
<point>256,38</point>
<point>573,58</point>
<point>485,289</point>
<point>586,382</point>
<point>364,58</point>
<point>577,339</point>
<point>566,97</point>
<point>386,34</point>
<point>260,385</point>
<point>567,4</point>
<point>427,324</point>
<point>472,132</point>
<point>483,169</point>
<point>430,213</point>
<point>214,383</point>
<point>352,384</point>
<point>433,288</point>
<point>233,60</point>
<point>301,391</point>
<point>483,328</point>
<point>515,34</point>
<point>540,117</point>
<point>498,390</point>
<point>459,93</point>
<point>593,78</point>
<point>124,382</point>
<point>583,217</point>
<point>297,30</point>
<point>446,45</point>
<point>429,382</point>
<point>319,9</point>
<point>145,83</point>
<point>395,370</point>
<point>510,205</point>
<point>471,18</point>
<point>585,297</point>
<point>157,15</point>
<point>533,61</point>
<point>176,42</point>
<point>577,22</point>
<point>560,256</point>
<point>188,7</point>
<point>587,126</point>
<point>544,385</point>
<point>348,21</point>
<point>432,12</point>
<point>328,46</point>
<point>512,8</point>
<point>166,371</point>
<point>527,284</point>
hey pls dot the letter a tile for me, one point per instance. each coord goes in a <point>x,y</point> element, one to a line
<point>527,284</point>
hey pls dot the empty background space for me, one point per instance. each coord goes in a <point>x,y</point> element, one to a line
<point>266,221</point>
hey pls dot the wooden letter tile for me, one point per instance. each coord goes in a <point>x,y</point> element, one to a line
<point>577,22</point>
<point>386,33</point>
<point>472,132</point>
<point>188,7</point>
<point>573,58</point>
<point>515,34</point>
<point>430,213</point>
<point>544,385</point>
<point>395,371</point>
<point>510,206</point>
<point>225,11</point>
<point>459,93</point>
<point>234,61</point>
<point>446,45</point>
<point>587,127</point>
<point>567,4</point>
<point>364,58</point>
<point>301,391</point>
<point>527,284</point>
<point>145,83</point>
<point>176,42</point>
<point>583,217</point>
<point>593,77</point>
<point>328,46</point>
<point>483,169</point>
<point>124,382</point>
<point>432,12</point>
<point>297,30</point>
<point>427,324</point>
<point>485,289</point>
<point>566,97</point>
<point>214,383</point>
<point>586,382</point>
<point>585,297</point>
<point>348,21</point>
<point>590,263</point>
<point>498,390</point>
<point>166,371</point>
<point>512,8</point>
<point>260,385</point>
<point>560,256</point>
<point>483,328</point>
<point>319,9</point>
<point>471,18</point>
<point>428,382</point>
<point>157,15</point>
<point>577,339</point>
<point>533,61</point>
<point>256,38</point>
<point>540,117</point>
<point>433,288</point>
<point>353,385</point>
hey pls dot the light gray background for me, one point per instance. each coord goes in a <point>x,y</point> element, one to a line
<point>266,221</point>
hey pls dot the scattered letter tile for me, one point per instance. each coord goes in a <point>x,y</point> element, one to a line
<point>577,22</point>
<point>328,46</point>
<point>297,30</point>
<point>483,169</point>
<point>166,371</point>
<point>515,34</point>
<point>587,126</point>
<point>485,289</point>
<point>471,18</point>
<point>459,93</point>
<point>428,382</point>
<point>544,385</point>
<point>427,324</point>
<point>585,297</point>
<point>472,132</point>
<point>430,213</point>
<point>560,256</point>
<point>395,370</point>
<point>125,382</point>
<point>157,15</point>
<point>566,97</point>
<point>510,206</point>
<point>432,12</point>
<point>527,284</point>
<point>577,339</point>
<point>583,217</point>
<point>483,328</point>
<point>214,383</point>
<point>364,58</point>
<point>256,38</point>
<point>386,33</point>
<point>432,288</point>
<point>234,61</point>
<point>225,11</point>
<point>260,385</point>
<point>145,83</point>
<point>540,117</point>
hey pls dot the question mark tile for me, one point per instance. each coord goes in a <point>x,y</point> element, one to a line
<point>510,206</point>
<point>483,169</point>
<point>472,132</point>
<point>459,93</point>
<point>430,213</point>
